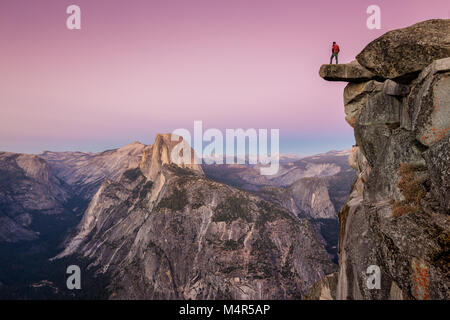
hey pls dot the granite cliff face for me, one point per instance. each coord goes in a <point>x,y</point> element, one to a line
<point>397,214</point>
<point>27,187</point>
<point>171,233</point>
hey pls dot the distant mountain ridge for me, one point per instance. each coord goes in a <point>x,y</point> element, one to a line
<point>70,181</point>
<point>313,187</point>
<point>85,171</point>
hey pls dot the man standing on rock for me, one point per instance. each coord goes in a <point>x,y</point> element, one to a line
<point>334,53</point>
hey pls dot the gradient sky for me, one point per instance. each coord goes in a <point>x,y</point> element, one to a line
<point>140,67</point>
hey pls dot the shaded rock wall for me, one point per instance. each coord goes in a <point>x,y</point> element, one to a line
<point>27,187</point>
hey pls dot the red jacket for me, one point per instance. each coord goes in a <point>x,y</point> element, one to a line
<point>335,48</point>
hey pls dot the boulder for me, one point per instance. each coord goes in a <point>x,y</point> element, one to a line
<point>356,91</point>
<point>395,89</point>
<point>401,54</point>
<point>349,72</point>
<point>356,96</point>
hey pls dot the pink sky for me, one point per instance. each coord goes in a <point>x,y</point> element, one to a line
<point>141,67</point>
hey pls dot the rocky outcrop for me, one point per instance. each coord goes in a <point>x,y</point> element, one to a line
<point>352,72</point>
<point>397,214</point>
<point>356,96</point>
<point>401,54</point>
<point>172,233</point>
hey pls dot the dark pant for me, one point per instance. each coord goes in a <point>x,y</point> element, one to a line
<point>335,55</point>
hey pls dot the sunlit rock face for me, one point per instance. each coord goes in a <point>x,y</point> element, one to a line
<point>168,149</point>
